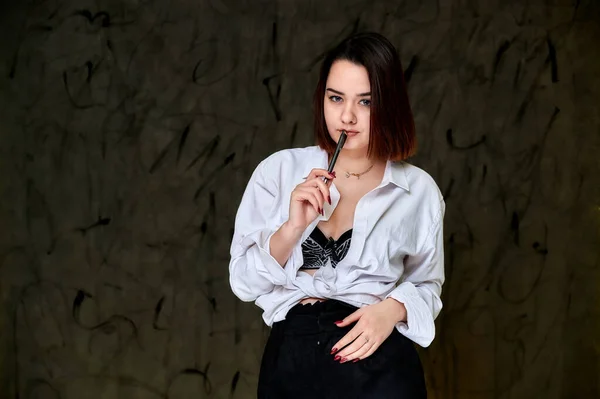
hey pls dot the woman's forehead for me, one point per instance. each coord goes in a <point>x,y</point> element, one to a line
<point>349,78</point>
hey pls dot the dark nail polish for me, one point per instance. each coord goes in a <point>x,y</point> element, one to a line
<point>355,360</point>
<point>336,358</point>
<point>334,350</point>
<point>344,360</point>
<point>333,174</point>
<point>329,199</point>
<point>322,214</point>
<point>339,322</point>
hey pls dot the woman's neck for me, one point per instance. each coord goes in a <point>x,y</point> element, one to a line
<point>354,163</point>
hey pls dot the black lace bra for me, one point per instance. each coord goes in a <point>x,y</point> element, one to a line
<point>318,249</point>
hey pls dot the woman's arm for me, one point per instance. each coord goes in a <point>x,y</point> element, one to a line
<point>253,270</point>
<point>421,286</point>
<point>261,247</point>
<point>283,242</point>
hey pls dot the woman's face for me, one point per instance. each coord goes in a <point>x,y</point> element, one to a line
<point>347,104</point>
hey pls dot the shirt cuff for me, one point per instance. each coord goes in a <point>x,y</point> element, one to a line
<point>419,326</point>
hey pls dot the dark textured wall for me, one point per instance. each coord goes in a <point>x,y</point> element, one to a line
<point>130,128</point>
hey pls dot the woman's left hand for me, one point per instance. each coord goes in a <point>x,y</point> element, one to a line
<point>374,325</point>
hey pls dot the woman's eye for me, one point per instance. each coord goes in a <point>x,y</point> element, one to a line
<point>335,99</point>
<point>365,102</point>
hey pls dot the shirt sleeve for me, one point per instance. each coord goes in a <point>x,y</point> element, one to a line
<point>421,286</point>
<point>252,270</point>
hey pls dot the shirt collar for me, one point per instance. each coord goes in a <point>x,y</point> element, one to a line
<point>395,173</point>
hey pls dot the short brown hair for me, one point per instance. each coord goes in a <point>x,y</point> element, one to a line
<point>392,127</point>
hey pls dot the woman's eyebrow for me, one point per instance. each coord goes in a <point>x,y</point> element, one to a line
<point>341,94</point>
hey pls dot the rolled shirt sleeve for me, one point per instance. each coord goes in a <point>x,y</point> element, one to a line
<point>421,286</point>
<point>252,269</point>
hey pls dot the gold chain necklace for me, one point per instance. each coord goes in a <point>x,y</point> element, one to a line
<point>358,175</point>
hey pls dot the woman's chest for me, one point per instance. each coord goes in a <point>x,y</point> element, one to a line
<point>343,216</point>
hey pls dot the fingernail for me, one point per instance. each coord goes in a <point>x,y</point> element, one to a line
<point>333,174</point>
<point>334,350</point>
<point>355,360</point>
<point>344,360</point>
<point>339,322</point>
<point>329,199</point>
<point>322,212</point>
<point>336,358</point>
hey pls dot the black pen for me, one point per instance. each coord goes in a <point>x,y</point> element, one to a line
<point>340,144</point>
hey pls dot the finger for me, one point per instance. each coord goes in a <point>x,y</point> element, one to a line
<point>361,353</point>
<point>323,188</point>
<point>371,350</point>
<point>314,200</point>
<point>349,352</point>
<point>301,194</point>
<point>355,316</point>
<point>346,340</point>
<point>320,173</point>
<point>316,193</point>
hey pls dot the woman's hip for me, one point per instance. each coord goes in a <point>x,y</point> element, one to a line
<point>299,350</point>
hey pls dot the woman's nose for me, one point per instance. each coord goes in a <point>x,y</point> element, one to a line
<point>348,116</point>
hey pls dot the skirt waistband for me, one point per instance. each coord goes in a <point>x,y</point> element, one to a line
<point>315,318</point>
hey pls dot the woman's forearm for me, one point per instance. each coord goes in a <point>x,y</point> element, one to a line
<point>283,241</point>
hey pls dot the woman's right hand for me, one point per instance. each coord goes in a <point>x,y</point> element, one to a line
<point>308,198</point>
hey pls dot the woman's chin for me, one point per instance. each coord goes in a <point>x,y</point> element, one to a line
<point>355,147</point>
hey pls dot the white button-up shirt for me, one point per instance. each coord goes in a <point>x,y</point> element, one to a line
<point>396,249</point>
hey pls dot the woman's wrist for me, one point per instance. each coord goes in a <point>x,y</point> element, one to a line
<point>291,232</point>
<point>283,242</point>
<point>398,309</point>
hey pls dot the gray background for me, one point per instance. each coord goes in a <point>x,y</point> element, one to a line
<point>130,128</point>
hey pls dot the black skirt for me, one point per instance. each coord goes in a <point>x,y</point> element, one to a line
<point>297,361</point>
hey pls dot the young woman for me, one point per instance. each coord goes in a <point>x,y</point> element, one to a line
<point>348,271</point>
